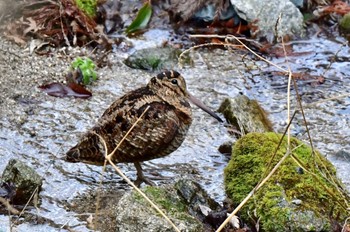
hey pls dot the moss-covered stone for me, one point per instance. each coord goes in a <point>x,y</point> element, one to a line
<point>134,213</point>
<point>25,179</point>
<point>169,202</point>
<point>153,59</point>
<point>292,199</point>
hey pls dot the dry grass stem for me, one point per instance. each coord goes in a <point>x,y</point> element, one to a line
<point>245,46</point>
<point>346,225</point>
<point>303,166</point>
<point>26,205</point>
<point>109,159</point>
<point>278,146</point>
<point>9,207</point>
<point>326,100</point>
<point>203,45</point>
<point>289,86</point>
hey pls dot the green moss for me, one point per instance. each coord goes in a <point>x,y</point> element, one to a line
<point>345,23</point>
<point>87,6</point>
<point>272,204</point>
<point>167,201</point>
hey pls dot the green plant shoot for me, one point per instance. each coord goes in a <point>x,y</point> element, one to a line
<point>87,68</point>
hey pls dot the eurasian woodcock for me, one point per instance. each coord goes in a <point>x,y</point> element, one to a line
<point>161,130</point>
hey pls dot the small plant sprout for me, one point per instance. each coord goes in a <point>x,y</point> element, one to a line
<point>87,68</point>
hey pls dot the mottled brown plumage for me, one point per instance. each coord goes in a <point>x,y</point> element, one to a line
<point>161,131</point>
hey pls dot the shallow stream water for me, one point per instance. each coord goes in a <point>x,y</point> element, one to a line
<point>38,129</point>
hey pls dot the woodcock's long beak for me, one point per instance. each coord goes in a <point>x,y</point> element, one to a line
<point>203,107</point>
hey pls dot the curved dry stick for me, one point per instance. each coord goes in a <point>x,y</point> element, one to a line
<point>9,207</point>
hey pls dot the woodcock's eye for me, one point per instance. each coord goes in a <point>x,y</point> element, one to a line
<point>174,81</point>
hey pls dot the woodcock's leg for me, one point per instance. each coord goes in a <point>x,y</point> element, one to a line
<point>140,177</point>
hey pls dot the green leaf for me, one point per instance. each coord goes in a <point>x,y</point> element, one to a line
<point>142,18</point>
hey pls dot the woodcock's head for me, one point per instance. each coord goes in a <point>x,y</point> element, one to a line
<point>170,86</point>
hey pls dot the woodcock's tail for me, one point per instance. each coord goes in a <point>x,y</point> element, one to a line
<point>88,150</point>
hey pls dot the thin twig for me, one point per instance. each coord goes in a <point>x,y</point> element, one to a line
<point>250,50</point>
<point>98,193</point>
<point>289,86</point>
<point>303,166</point>
<point>27,203</point>
<point>62,27</point>
<point>9,207</point>
<point>278,145</point>
<point>203,45</point>
<point>328,99</point>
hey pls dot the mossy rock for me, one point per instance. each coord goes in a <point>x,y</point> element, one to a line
<point>25,179</point>
<point>245,115</point>
<point>292,199</point>
<point>134,213</point>
<point>153,59</point>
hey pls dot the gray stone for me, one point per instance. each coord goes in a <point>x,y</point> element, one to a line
<point>225,148</point>
<point>153,59</point>
<point>181,203</point>
<point>298,3</point>
<point>264,14</point>
<point>245,115</point>
<point>342,155</point>
<point>25,179</point>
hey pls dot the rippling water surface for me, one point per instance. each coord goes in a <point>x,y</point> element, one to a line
<point>38,129</point>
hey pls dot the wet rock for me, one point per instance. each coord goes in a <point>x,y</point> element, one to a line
<point>245,114</point>
<point>343,155</point>
<point>201,10</point>
<point>225,148</point>
<point>313,200</point>
<point>181,203</point>
<point>24,179</point>
<point>209,11</point>
<point>265,14</point>
<point>153,59</point>
<point>195,197</point>
<point>84,206</point>
<point>298,3</point>
<point>217,217</point>
<point>7,190</point>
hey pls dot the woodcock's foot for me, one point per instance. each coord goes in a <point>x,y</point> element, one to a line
<point>166,117</point>
<point>140,177</point>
